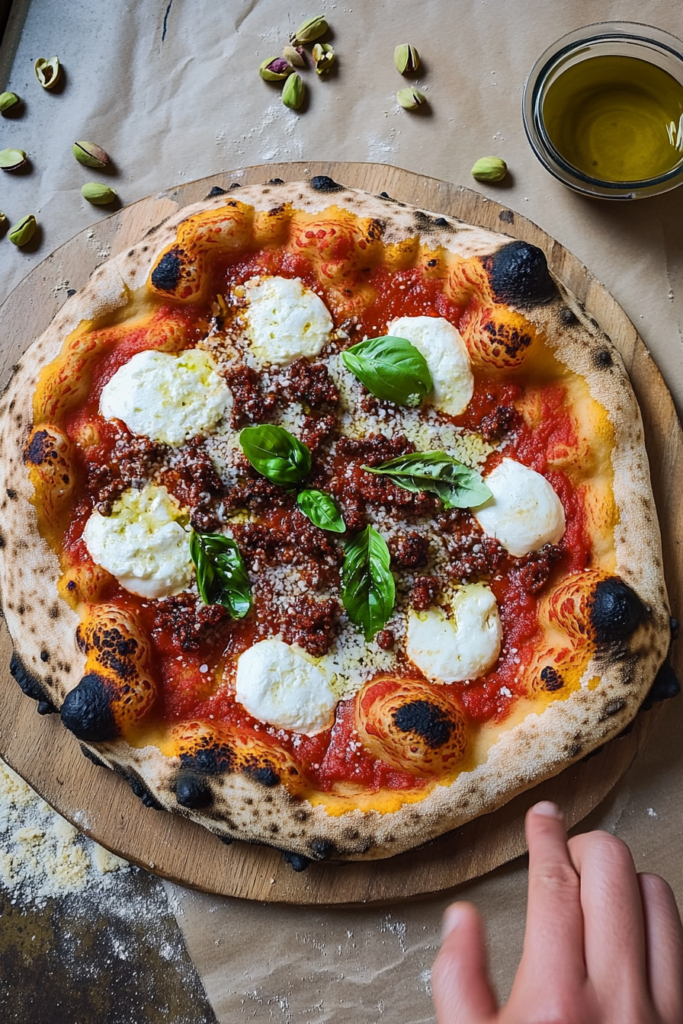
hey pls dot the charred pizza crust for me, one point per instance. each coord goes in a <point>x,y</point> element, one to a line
<point>103,679</point>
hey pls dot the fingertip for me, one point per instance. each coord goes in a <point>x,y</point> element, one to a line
<point>547,809</point>
<point>458,916</point>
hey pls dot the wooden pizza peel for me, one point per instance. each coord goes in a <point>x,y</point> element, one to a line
<point>102,805</point>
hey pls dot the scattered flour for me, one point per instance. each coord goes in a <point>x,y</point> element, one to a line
<point>41,854</point>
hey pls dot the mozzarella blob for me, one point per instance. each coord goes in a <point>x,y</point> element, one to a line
<point>460,647</point>
<point>144,542</point>
<point>449,364</point>
<point>524,512</point>
<point>285,320</point>
<point>168,398</point>
<point>277,684</point>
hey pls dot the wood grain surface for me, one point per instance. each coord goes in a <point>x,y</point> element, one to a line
<point>103,806</point>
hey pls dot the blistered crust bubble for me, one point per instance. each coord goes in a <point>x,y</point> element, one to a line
<point>87,710</point>
<point>519,275</point>
<point>411,725</point>
<point>616,610</point>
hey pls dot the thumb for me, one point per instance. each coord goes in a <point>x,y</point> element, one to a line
<point>460,982</point>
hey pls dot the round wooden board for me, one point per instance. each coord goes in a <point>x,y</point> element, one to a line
<point>103,806</point>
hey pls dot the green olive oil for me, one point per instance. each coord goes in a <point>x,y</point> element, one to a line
<point>616,119</point>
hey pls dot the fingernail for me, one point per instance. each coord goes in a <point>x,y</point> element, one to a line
<point>452,919</point>
<point>547,809</point>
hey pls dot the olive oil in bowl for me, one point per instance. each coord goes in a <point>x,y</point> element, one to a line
<point>616,118</point>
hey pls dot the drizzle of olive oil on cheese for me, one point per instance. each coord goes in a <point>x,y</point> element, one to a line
<point>616,118</point>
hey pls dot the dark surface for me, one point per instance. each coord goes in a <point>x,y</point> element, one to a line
<point>111,958</point>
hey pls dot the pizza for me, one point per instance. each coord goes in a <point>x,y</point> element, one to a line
<point>327,521</point>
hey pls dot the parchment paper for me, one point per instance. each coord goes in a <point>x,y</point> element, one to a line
<point>171,90</point>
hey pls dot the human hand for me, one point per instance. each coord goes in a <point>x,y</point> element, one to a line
<point>603,944</point>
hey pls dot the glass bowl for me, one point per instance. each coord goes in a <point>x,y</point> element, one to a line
<point>606,38</point>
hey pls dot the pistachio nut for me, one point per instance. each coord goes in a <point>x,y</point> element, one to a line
<point>410,98</point>
<point>8,100</point>
<point>309,30</point>
<point>490,168</point>
<point>295,55</point>
<point>98,194</point>
<point>294,92</point>
<point>12,159</point>
<point>23,231</point>
<point>406,58</point>
<point>90,154</point>
<point>3,222</point>
<point>47,71</point>
<point>323,57</point>
<point>275,69</point>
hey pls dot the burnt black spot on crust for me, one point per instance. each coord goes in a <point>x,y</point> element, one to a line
<point>322,849</point>
<point>234,185</point>
<point>44,655</point>
<point>98,762</point>
<point>263,773</point>
<point>276,181</point>
<point>192,790</point>
<point>207,760</point>
<point>216,191</point>
<point>674,626</point>
<point>70,292</point>
<point>616,611</point>
<point>426,720</point>
<point>168,270</point>
<point>602,359</point>
<point>385,195</point>
<point>665,687</point>
<point>141,791</point>
<point>441,222</point>
<point>296,861</point>
<point>30,685</point>
<point>519,275</point>
<point>227,840</point>
<point>568,317</point>
<point>40,449</point>
<point>507,216</point>
<point>87,712</point>
<point>11,493</point>
<point>612,707</point>
<point>551,678</point>
<point>323,183</point>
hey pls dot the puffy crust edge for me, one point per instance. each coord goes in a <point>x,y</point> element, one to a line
<point>44,628</point>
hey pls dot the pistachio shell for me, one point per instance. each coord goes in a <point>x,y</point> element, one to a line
<point>295,56</point>
<point>8,100</point>
<point>12,159</point>
<point>90,154</point>
<point>410,98</point>
<point>3,222</point>
<point>309,30</point>
<point>47,71</point>
<point>275,69</point>
<point>490,168</point>
<point>98,194</point>
<point>23,231</point>
<point>323,57</point>
<point>406,58</point>
<point>294,92</point>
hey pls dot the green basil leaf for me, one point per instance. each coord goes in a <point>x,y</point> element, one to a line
<point>276,454</point>
<point>390,368</point>
<point>457,485</point>
<point>322,510</point>
<point>222,577</point>
<point>367,586</point>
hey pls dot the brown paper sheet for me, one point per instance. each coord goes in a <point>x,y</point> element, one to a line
<point>170,90</point>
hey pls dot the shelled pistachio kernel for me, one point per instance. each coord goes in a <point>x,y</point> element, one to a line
<point>410,99</point>
<point>275,69</point>
<point>490,168</point>
<point>12,159</point>
<point>48,71</point>
<point>406,58</point>
<point>294,92</point>
<point>8,100</point>
<point>90,154</point>
<point>23,231</point>
<point>309,30</point>
<point>323,57</point>
<point>97,194</point>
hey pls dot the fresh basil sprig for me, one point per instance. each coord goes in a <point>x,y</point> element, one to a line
<point>367,586</point>
<point>391,368</point>
<point>221,574</point>
<point>322,510</point>
<point>457,485</point>
<point>276,454</point>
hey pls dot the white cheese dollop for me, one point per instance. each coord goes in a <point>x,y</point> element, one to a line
<point>168,398</point>
<point>446,354</point>
<point>277,684</point>
<point>285,320</point>
<point>524,513</point>
<point>460,647</point>
<point>144,542</point>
